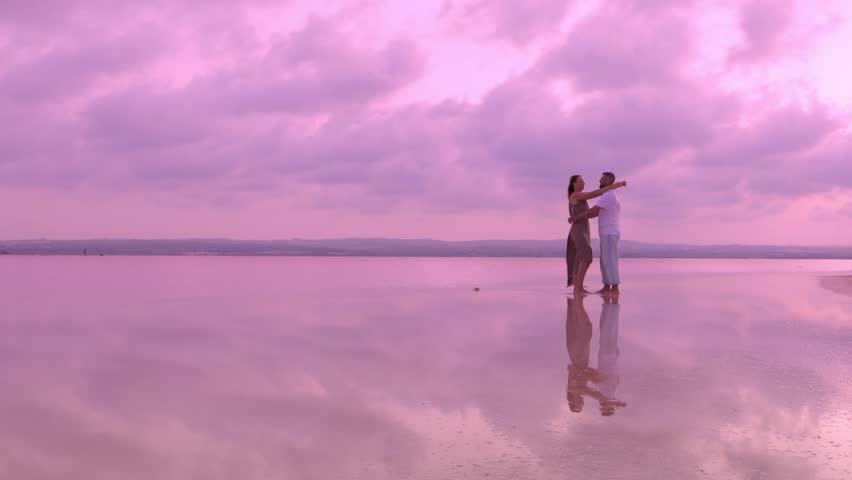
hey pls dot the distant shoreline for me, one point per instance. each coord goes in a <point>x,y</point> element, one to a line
<point>267,255</point>
<point>385,247</point>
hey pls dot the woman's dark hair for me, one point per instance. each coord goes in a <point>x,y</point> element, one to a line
<point>571,185</point>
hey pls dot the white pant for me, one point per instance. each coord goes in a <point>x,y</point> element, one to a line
<point>609,259</point>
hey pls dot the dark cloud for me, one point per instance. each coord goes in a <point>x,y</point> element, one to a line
<point>819,171</point>
<point>138,118</point>
<point>65,70</point>
<point>763,24</point>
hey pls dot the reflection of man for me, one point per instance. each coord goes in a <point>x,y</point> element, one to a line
<point>607,210</point>
<point>608,352</point>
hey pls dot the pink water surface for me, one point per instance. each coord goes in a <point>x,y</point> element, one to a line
<point>393,368</point>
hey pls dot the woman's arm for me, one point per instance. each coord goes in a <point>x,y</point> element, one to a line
<point>580,196</point>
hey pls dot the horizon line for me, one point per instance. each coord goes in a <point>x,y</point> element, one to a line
<point>299,239</point>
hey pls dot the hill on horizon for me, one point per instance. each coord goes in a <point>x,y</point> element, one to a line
<point>402,247</point>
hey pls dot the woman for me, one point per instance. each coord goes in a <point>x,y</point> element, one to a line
<point>578,249</point>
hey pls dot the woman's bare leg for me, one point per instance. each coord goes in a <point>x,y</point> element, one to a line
<point>580,277</point>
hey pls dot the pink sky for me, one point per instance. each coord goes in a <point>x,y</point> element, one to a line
<point>452,119</point>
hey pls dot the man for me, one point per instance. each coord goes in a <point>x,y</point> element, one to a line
<point>607,210</point>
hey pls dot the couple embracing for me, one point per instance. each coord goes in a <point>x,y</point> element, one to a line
<point>578,251</point>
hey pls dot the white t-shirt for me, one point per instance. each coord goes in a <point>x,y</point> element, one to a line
<point>608,216</point>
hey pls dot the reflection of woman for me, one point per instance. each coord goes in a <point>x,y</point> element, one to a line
<point>578,336</point>
<point>578,248</point>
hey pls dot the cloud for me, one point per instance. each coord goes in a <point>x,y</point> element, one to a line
<point>342,107</point>
<point>787,130</point>
<point>516,22</point>
<point>763,24</point>
<point>820,171</point>
<point>137,119</point>
<point>623,45</point>
<point>316,69</point>
<point>66,70</point>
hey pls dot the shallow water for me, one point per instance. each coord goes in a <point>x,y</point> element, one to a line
<point>321,368</point>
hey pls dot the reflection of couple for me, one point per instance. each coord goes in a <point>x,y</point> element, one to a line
<point>578,337</point>
<point>578,250</point>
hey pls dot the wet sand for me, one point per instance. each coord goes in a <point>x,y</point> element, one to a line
<point>254,368</point>
<point>839,284</point>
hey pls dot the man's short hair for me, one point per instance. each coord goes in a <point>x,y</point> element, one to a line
<point>610,175</point>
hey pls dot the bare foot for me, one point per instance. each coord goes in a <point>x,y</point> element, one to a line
<point>603,291</point>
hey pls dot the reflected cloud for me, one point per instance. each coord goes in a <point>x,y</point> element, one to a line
<point>221,373</point>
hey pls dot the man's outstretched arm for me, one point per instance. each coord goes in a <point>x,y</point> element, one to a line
<point>590,213</point>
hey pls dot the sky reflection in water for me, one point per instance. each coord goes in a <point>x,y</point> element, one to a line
<point>395,368</point>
